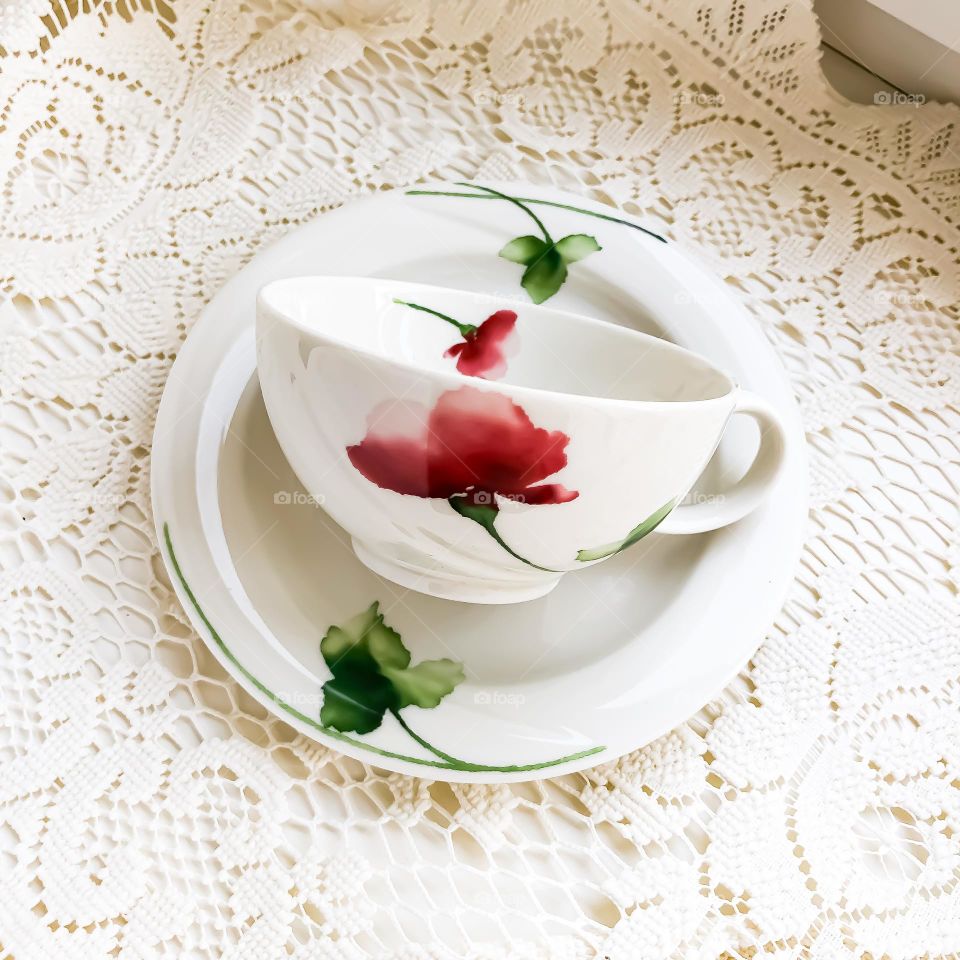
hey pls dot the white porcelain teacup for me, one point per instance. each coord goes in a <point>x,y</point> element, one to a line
<point>477,448</point>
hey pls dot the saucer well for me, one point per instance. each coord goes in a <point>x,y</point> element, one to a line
<point>615,656</point>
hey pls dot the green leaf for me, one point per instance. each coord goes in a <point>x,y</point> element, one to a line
<point>544,277</point>
<point>372,674</point>
<point>356,700</point>
<point>524,250</point>
<point>546,261</point>
<point>426,684</point>
<point>350,644</point>
<point>576,246</point>
<point>637,533</point>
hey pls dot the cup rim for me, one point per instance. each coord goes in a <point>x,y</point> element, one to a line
<point>455,377</point>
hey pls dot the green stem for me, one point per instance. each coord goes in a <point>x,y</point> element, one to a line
<point>450,764</point>
<point>515,202</point>
<point>486,516</point>
<point>544,203</point>
<point>513,553</point>
<point>465,328</point>
<point>424,743</point>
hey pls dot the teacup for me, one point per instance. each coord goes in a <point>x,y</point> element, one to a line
<point>477,448</point>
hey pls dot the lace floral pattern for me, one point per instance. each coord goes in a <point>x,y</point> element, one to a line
<point>149,808</point>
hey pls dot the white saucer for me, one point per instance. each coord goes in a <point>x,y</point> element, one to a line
<point>617,655</point>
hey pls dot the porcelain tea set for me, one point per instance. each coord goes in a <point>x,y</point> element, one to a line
<point>417,470</point>
<point>407,409</point>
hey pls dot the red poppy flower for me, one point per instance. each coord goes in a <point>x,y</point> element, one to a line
<point>482,351</point>
<point>473,445</point>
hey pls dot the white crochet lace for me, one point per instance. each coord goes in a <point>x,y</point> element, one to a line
<point>149,809</point>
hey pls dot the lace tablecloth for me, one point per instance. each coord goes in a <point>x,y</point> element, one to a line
<point>149,809</point>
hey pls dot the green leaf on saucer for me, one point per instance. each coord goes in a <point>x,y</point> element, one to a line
<point>355,700</point>
<point>637,533</point>
<point>372,674</point>
<point>546,261</point>
<point>545,276</point>
<point>524,250</point>
<point>426,684</point>
<point>576,246</point>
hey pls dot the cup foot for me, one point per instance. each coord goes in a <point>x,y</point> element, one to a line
<point>436,583</point>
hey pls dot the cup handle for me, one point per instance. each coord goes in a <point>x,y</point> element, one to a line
<point>748,494</point>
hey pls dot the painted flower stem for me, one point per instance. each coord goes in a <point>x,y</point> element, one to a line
<point>450,763</point>
<point>466,329</point>
<point>516,201</point>
<point>486,515</point>
<point>446,757</point>
<point>543,203</point>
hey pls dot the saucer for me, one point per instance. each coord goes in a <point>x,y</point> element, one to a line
<point>615,656</point>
